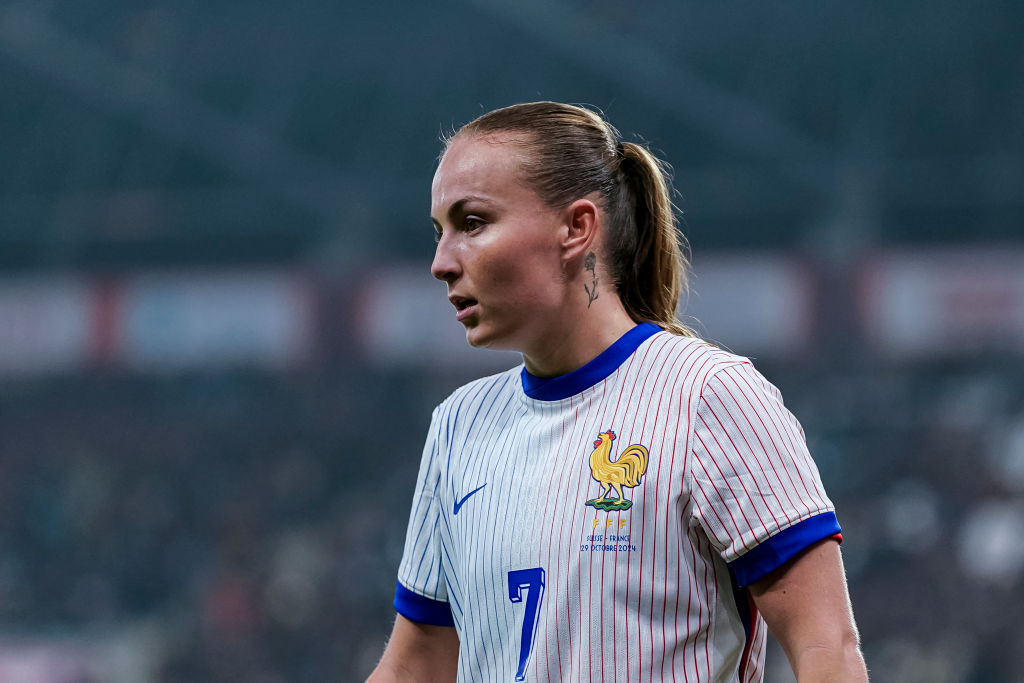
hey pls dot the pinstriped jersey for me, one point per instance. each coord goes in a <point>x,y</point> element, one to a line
<point>604,525</point>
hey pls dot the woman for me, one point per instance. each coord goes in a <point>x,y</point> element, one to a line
<point>632,503</point>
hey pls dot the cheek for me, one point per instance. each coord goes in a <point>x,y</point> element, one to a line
<point>522,278</point>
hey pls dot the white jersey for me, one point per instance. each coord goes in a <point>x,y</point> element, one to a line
<point>602,526</point>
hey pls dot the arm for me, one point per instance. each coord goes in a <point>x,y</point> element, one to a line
<point>807,608</point>
<point>418,652</point>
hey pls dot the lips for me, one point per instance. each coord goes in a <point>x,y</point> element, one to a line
<point>464,306</point>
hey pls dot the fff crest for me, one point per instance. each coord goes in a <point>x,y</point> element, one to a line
<point>627,470</point>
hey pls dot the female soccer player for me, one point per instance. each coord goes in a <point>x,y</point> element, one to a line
<point>632,503</point>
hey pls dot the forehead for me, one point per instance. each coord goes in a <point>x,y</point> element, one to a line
<point>484,166</point>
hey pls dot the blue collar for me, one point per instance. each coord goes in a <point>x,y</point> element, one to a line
<point>607,362</point>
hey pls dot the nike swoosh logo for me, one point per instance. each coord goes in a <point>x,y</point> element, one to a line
<point>459,503</point>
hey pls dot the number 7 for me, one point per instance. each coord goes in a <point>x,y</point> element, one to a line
<point>533,581</point>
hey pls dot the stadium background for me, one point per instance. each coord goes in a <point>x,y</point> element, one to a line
<point>220,344</point>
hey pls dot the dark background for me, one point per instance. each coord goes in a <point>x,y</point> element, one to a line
<point>244,521</point>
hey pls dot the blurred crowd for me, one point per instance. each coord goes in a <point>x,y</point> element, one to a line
<point>254,522</point>
<point>257,519</point>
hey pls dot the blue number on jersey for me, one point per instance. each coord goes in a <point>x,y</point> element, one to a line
<point>533,581</point>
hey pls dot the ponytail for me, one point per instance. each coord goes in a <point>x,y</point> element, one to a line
<point>646,252</point>
<point>573,152</point>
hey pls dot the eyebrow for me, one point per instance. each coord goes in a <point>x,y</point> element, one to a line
<point>457,206</point>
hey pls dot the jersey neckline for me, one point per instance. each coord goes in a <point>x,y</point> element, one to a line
<point>607,362</point>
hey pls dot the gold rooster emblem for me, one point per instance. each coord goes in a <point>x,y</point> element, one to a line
<point>626,470</point>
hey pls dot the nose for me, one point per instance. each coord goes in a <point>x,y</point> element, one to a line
<point>445,266</point>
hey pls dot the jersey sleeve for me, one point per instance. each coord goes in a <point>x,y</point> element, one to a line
<point>755,490</point>
<point>421,593</point>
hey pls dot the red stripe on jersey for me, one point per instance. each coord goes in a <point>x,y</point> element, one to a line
<point>739,457</point>
<point>614,419</point>
<point>752,451</point>
<point>651,345</point>
<point>704,370</point>
<point>763,448</point>
<point>775,417</point>
<point>729,460</point>
<point>745,657</point>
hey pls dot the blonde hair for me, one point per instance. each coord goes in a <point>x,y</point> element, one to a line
<point>572,152</point>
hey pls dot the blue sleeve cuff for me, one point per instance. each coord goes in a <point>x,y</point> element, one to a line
<point>415,607</point>
<point>775,551</point>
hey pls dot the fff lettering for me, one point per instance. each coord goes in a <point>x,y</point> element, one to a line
<point>609,523</point>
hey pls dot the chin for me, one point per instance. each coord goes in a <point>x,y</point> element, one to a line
<point>483,337</point>
<point>478,338</point>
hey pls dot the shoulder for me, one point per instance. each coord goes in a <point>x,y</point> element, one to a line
<point>474,404</point>
<point>695,358</point>
<point>479,392</point>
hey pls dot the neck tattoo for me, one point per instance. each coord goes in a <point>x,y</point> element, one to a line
<point>590,263</point>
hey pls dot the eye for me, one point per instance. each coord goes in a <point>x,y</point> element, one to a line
<point>437,234</point>
<point>474,223</point>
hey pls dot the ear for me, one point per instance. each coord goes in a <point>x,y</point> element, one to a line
<point>582,223</point>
